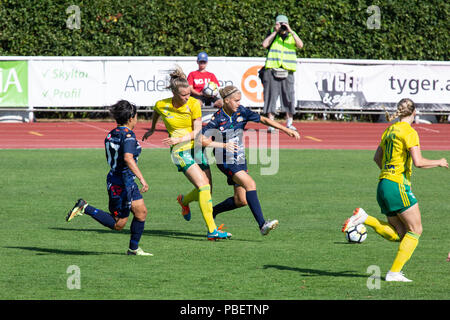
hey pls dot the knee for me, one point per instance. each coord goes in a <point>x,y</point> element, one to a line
<point>250,185</point>
<point>141,215</point>
<point>417,229</point>
<point>120,224</point>
<point>240,201</point>
<point>139,210</point>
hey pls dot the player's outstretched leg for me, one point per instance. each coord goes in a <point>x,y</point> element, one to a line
<point>226,205</point>
<point>82,207</point>
<point>383,228</point>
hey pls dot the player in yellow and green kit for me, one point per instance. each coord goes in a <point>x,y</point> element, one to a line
<point>182,117</point>
<point>398,150</point>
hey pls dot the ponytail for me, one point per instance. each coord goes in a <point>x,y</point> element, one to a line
<point>405,108</point>
<point>177,80</point>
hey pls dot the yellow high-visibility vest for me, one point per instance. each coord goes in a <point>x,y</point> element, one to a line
<point>282,54</point>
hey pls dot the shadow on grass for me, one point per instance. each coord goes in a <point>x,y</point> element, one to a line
<point>43,251</point>
<point>155,233</point>
<point>313,272</point>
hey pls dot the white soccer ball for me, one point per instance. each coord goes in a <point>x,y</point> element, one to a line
<point>211,90</point>
<point>356,234</point>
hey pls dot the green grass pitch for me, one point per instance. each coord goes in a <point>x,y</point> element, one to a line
<point>306,257</point>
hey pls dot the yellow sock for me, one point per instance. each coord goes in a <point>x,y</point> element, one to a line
<point>384,229</point>
<point>191,196</point>
<point>205,202</point>
<point>405,250</point>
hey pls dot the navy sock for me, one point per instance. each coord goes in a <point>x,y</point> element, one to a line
<point>255,207</point>
<point>225,205</point>
<point>101,216</point>
<point>137,228</point>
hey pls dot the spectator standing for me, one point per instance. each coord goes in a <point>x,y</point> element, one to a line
<point>281,63</point>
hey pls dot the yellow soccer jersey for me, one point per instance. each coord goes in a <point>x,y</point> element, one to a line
<point>397,162</point>
<point>178,121</point>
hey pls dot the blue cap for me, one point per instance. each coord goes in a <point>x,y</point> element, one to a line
<point>202,56</point>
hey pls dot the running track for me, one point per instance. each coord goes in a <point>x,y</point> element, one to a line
<point>314,135</point>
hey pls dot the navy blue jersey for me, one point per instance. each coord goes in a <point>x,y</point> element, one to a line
<point>226,128</point>
<point>119,141</point>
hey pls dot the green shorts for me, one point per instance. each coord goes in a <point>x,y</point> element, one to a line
<point>394,198</point>
<point>185,159</point>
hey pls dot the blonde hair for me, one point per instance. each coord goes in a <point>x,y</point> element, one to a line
<point>177,80</point>
<point>228,91</point>
<point>405,108</point>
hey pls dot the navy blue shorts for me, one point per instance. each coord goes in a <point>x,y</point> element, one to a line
<point>120,197</point>
<point>230,169</point>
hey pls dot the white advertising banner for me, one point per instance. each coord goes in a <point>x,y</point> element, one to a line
<point>145,82</point>
<point>355,86</point>
<point>320,83</point>
<point>61,83</point>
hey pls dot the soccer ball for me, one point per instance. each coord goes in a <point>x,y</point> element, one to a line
<point>356,234</point>
<point>210,90</point>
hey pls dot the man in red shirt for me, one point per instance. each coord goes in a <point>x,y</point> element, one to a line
<point>199,78</point>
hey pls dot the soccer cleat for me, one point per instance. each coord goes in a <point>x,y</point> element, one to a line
<point>268,225</point>
<point>217,234</point>
<point>359,216</point>
<point>77,210</point>
<point>396,276</point>
<point>138,252</point>
<point>185,210</point>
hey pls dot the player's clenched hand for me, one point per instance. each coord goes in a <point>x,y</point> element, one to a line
<point>231,146</point>
<point>145,186</point>
<point>171,141</point>
<point>293,134</point>
<point>148,134</point>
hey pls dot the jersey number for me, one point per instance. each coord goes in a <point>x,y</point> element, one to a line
<point>389,147</point>
<point>112,159</point>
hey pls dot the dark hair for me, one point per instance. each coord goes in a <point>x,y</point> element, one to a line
<point>122,111</point>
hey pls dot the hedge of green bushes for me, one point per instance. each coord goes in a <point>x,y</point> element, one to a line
<point>409,29</point>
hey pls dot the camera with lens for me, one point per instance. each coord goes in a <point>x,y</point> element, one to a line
<point>283,27</point>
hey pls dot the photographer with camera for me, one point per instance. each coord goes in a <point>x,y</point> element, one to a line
<point>278,73</point>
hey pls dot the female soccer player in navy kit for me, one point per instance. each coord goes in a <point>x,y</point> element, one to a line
<point>122,152</point>
<point>227,125</point>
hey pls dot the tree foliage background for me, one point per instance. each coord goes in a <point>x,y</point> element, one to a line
<point>409,30</point>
